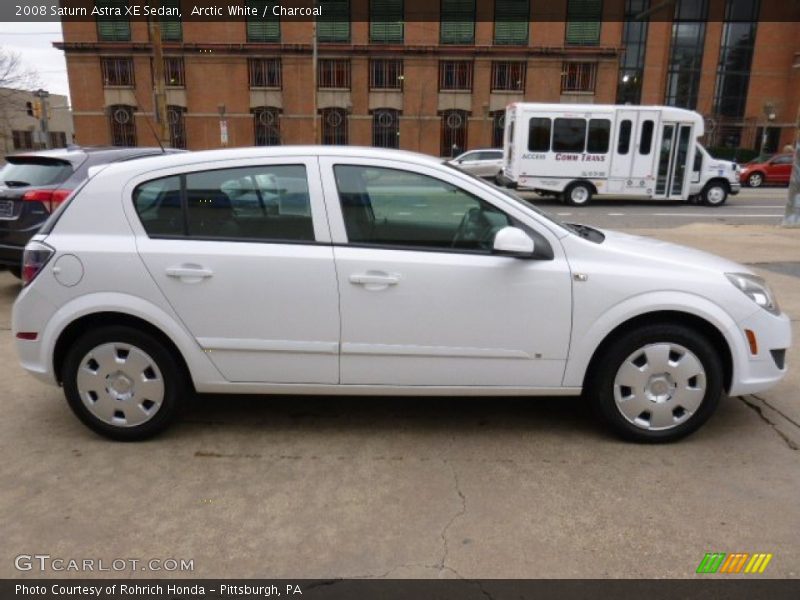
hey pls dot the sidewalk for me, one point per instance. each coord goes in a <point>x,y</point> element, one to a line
<point>774,253</point>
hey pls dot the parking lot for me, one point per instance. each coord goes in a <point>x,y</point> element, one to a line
<point>421,487</point>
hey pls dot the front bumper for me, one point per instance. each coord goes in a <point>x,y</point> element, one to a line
<point>736,187</point>
<point>759,372</point>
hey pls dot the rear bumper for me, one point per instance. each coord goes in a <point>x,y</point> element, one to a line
<point>11,255</point>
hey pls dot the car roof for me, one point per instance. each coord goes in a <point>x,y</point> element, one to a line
<point>188,159</point>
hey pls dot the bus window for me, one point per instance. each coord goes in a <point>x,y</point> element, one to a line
<point>599,135</point>
<point>698,160</point>
<point>624,143</point>
<point>569,135</point>
<point>539,134</point>
<point>646,139</point>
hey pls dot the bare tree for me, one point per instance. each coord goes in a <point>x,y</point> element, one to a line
<point>14,76</point>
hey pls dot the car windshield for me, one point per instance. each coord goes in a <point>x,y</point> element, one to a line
<point>34,172</point>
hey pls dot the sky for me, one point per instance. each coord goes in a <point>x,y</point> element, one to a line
<point>34,43</point>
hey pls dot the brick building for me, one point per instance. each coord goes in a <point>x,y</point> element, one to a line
<point>434,75</point>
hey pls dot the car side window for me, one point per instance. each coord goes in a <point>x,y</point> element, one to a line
<point>263,203</point>
<point>783,160</point>
<point>396,208</point>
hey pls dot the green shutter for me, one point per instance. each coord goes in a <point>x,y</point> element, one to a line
<point>511,18</point>
<point>333,25</point>
<point>171,28</point>
<point>583,22</point>
<point>386,21</point>
<point>263,28</point>
<point>113,29</point>
<point>457,22</point>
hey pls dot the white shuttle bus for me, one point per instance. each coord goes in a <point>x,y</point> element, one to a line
<point>577,151</point>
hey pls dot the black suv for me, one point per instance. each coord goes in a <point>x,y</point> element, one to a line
<point>33,184</point>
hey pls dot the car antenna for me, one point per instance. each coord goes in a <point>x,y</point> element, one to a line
<point>150,124</point>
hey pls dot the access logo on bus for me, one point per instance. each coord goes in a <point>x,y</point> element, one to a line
<point>731,564</point>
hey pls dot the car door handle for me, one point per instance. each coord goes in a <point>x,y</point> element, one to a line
<point>189,272</point>
<point>375,280</point>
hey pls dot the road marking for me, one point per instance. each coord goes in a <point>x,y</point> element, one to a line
<point>616,214</point>
<point>563,214</point>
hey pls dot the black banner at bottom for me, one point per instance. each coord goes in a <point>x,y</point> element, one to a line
<point>397,589</point>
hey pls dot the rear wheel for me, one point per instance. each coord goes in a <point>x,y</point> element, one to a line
<point>715,194</point>
<point>755,180</point>
<point>578,194</point>
<point>657,383</point>
<point>122,383</point>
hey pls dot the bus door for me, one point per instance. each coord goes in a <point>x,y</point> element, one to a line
<point>623,147</point>
<point>644,147</point>
<point>673,158</point>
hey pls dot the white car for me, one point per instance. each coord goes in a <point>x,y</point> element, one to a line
<point>486,163</point>
<point>341,270</point>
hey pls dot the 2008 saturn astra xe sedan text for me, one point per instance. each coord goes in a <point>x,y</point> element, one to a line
<point>342,270</point>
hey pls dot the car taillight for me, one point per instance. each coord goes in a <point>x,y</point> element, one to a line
<point>34,259</point>
<point>50,198</point>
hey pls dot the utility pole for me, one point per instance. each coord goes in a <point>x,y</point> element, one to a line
<point>159,85</point>
<point>314,61</point>
<point>44,117</point>
<point>792,216</point>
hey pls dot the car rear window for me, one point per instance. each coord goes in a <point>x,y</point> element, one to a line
<point>21,172</point>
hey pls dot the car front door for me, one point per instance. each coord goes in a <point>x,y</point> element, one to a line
<point>243,256</point>
<point>780,169</point>
<point>423,299</point>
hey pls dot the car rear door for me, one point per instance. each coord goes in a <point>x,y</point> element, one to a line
<point>780,169</point>
<point>243,255</point>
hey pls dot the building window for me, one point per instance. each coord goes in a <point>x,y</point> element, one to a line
<point>58,139</point>
<point>631,65</point>
<point>174,74</point>
<point>386,21</point>
<point>578,77</point>
<point>334,23</point>
<point>454,132</point>
<point>23,140</point>
<point>123,127</point>
<point>508,76</point>
<point>511,20</point>
<point>171,27</point>
<point>457,22</point>
<point>386,74</point>
<point>455,75</point>
<point>735,58</point>
<point>386,128</point>
<point>117,72</point>
<point>266,123</point>
<point>176,115</point>
<point>112,28</point>
<point>686,53</point>
<point>265,27</point>
<point>334,73</point>
<point>334,126</point>
<point>583,22</point>
<point>265,72</point>
<point>498,128</point>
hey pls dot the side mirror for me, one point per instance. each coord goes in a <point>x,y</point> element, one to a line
<point>512,241</point>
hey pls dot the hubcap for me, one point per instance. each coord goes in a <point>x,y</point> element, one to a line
<point>755,180</point>
<point>120,384</point>
<point>715,195</point>
<point>659,386</point>
<point>579,195</point>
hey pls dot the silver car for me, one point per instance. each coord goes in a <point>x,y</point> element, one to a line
<point>486,162</point>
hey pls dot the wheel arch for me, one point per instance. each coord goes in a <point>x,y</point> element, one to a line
<point>720,180</point>
<point>588,183</point>
<point>70,334</point>
<point>672,317</point>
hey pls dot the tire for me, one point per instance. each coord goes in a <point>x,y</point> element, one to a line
<point>755,180</point>
<point>578,194</point>
<point>136,382</point>
<point>715,194</point>
<point>670,402</point>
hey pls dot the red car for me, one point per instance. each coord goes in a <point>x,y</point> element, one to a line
<point>777,169</point>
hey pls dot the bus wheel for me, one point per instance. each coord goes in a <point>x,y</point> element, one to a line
<point>715,194</point>
<point>578,194</point>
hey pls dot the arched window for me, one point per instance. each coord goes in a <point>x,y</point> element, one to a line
<point>176,116</point>
<point>267,126</point>
<point>334,126</point>
<point>386,128</point>
<point>122,124</point>
<point>454,132</point>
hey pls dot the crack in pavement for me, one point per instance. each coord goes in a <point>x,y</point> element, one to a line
<point>462,510</point>
<point>784,415</point>
<point>758,410</point>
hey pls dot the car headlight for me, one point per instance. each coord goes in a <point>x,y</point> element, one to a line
<point>755,288</point>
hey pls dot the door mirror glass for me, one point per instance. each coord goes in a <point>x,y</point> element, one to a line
<point>512,241</point>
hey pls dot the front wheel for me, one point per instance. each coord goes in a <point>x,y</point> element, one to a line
<point>715,194</point>
<point>578,194</point>
<point>657,383</point>
<point>123,383</point>
<point>755,180</point>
